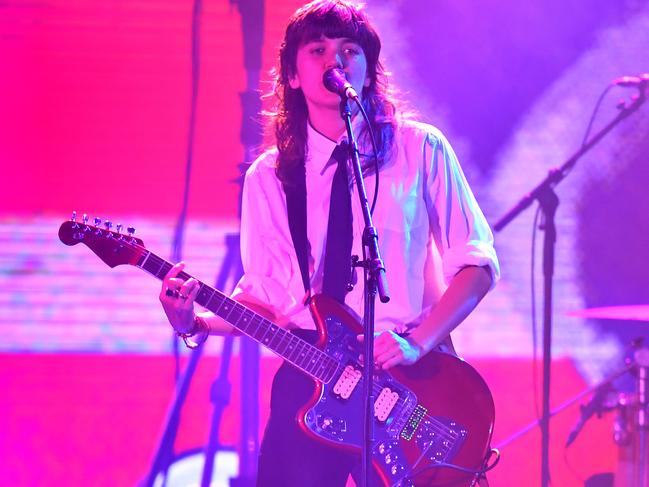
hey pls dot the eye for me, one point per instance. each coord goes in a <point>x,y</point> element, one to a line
<point>317,50</point>
<point>353,50</point>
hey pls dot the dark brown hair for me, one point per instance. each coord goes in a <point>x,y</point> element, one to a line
<point>331,19</point>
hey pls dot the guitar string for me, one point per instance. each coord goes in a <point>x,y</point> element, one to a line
<point>436,425</point>
<point>302,348</point>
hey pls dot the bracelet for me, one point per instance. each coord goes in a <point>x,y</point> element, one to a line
<point>197,329</point>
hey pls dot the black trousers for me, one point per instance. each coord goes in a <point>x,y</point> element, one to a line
<point>288,457</point>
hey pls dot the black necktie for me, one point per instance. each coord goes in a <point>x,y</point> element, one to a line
<point>338,249</point>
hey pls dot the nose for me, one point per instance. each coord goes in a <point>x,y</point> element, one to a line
<point>336,61</point>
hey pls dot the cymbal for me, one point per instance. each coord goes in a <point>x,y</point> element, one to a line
<point>637,312</point>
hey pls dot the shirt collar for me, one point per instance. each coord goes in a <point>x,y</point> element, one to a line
<point>320,147</point>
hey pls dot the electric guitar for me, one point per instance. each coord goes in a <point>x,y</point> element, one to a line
<point>433,420</point>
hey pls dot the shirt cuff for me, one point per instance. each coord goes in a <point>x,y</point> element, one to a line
<point>473,253</point>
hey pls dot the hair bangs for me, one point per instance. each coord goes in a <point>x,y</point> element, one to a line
<point>332,21</point>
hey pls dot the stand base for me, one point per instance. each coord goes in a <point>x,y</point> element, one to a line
<point>628,465</point>
<point>187,469</point>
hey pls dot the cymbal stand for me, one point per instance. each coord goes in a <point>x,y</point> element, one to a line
<point>641,358</point>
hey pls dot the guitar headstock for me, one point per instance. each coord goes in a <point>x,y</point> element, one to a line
<point>113,247</point>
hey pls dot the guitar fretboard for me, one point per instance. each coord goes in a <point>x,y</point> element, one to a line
<point>295,350</point>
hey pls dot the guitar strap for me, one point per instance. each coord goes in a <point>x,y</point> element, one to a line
<point>337,258</point>
<point>295,190</point>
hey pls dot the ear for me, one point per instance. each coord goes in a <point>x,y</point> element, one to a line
<point>367,82</point>
<point>294,82</point>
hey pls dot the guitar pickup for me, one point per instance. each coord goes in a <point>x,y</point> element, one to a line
<point>385,403</point>
<point>347,382</point>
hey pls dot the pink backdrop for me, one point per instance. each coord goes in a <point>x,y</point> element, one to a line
<point>94,112</point>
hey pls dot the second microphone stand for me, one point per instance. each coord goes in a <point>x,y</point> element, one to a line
<point>548,200</point>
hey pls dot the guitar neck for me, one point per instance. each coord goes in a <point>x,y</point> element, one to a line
<point>291,348</point>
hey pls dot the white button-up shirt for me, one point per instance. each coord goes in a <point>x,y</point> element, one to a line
<point>429,226</point>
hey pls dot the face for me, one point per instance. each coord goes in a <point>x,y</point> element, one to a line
<point>315,57</point>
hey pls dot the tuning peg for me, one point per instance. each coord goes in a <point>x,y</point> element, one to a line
<point>108,224</point>
<point>97,221</point>
<point>74,216</point>
<point>85,218</point>
<point>131,231</point>
<point>119,228</point>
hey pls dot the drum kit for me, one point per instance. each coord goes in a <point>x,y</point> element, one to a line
<point>631,424</point>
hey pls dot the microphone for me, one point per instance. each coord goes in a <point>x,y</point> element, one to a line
<point>640,80</point>
<point>597,405</point>
<point>334,80</point>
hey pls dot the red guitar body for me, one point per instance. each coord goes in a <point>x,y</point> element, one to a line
<point>444,414</point>
<point>432,420</point>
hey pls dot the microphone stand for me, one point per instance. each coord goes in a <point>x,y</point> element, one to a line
<point>374,279</point>
<point>548,200</point>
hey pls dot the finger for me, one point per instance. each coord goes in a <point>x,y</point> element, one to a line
<point>187,293</point>
<point>193,292</point>
<point>173,272</point>
<point>387,355</point>
<point>391,363</point>
<point>169,282</point>
<point>361,337</point>
<point>188,286</point>
<point>175,283</point>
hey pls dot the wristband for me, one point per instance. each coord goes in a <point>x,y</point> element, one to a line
<point>197,329</point>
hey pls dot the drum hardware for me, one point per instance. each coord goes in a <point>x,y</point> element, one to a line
<point>608,402</point>
<point>641,357</point>
<point>631,421</point>
<point>634,312</point>
<point>622,425</point>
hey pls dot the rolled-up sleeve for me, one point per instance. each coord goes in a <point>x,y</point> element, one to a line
<point>265,253</point>
<point>462,234</point>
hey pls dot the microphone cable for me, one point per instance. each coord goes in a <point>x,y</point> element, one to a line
<point>375,150</point>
